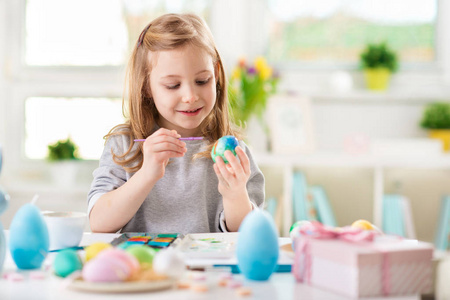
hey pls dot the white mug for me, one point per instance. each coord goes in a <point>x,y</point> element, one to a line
<point>65,229</point>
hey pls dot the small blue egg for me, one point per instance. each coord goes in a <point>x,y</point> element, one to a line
<point>28,238</point>
<point>257,247</point>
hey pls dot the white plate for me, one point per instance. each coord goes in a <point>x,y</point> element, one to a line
<point>122,287</point>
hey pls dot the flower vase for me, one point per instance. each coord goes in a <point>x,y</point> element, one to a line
<point>257,136</point>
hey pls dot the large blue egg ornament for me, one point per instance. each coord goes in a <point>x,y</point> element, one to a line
<point>257,246</point>
<point>4,199</point>
<point>28,238</point>
<point>223,144</point>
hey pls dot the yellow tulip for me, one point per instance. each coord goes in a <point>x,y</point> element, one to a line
<point>236,74</point>
<point>266,73</point>
<point>260,63</point>
<point>263,68</point>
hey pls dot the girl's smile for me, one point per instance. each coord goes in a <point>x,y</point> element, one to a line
<point>191,112</point>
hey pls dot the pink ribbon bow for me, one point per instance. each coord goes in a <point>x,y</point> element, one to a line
<point>317,230</point>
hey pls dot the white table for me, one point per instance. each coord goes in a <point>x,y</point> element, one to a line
<point>279,286</point>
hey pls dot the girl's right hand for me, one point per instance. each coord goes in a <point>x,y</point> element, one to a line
<point>158,149</point>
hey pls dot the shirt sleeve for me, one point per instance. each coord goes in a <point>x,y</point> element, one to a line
<point>109,175</point>
<point>255,187</point>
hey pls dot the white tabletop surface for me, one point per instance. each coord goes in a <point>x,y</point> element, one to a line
<point>279,286</point>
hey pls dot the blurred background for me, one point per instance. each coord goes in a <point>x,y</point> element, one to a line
<point>333,145</point>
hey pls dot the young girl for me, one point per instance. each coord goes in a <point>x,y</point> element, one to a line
<point>176,88</point>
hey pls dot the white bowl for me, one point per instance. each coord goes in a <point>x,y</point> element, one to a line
<point>65,228</point>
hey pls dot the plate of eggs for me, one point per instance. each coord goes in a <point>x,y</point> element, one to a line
<point>108,269</point>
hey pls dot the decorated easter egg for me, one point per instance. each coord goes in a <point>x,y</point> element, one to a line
<point>94,249</point>
<point>363,224</point>
<point>227,142</point>
<point>120,254</point>
<point>169,262</point>
<point>144,255</point>
<point>66,262</point>
<point>28,238</point>
<point>257,246</point>
<point>295,230</point>
<point>106,269</point>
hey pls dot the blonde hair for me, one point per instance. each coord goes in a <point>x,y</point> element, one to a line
<point>170,31</point>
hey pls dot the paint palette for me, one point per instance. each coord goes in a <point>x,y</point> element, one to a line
<point>153,240</point>
<point>209,245</point>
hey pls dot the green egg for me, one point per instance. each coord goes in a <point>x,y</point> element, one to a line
<point>143,254</point>
<point>66,262</point>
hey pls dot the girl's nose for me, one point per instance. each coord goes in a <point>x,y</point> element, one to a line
<point>189,95</point>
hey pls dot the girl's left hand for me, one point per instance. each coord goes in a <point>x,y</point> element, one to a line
<point>233,176</point>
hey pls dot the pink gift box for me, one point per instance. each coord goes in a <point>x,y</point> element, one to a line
<point>385,266</point>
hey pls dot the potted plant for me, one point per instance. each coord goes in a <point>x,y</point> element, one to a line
<point>436,118</point>
<point>378,62</point>
<point>62,156</point>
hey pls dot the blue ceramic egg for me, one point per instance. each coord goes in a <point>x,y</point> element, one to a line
<point>257,246</point>
<point>28,238</point>
<point>4,199</point>
<point>223,144</point>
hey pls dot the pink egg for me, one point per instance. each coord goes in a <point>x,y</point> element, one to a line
<point>106,269</point>
<point>122,255</point>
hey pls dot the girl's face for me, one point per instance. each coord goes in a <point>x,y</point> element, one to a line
<point>183,86</point>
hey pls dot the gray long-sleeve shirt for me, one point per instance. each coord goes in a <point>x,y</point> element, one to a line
<point>185,200</point>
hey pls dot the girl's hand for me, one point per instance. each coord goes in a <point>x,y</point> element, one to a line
<point>233,176</point>
<point>158,149</point>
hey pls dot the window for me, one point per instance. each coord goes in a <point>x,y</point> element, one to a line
<point>335,31</point>
<point>76,51</point>
<point>92,33</point>
<point>48,120</point>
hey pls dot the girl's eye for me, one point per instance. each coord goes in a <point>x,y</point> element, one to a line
<point>202,82</point>
<point>173,87</point>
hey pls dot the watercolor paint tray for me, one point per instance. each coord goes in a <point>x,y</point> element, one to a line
<point>153,240</point>
<point>208,245</point>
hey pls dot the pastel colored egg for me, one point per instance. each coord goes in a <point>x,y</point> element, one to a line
<point>120,254</point>
<point>223,144</point>
<point>295,230</point>
<point>66,262</point>
<point>28,238</point>
<point>363,224</point>
<point>106,269</point>
<point>144,254</point>
<point>94,249</point>
<point>257,245</point>
<point>169,262</point>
